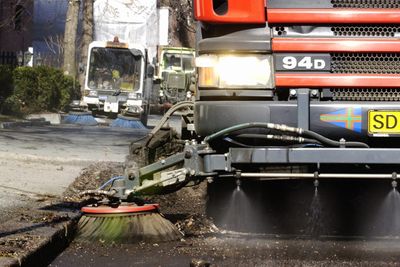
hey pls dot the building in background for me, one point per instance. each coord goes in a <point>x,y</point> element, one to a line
<point>15,28</point>
<point>32,25</point>
<point>15,25</point>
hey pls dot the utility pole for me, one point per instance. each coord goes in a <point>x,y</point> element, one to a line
<point>71,27</point>
<point>87,38</point>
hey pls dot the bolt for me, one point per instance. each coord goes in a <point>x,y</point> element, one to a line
<point>192,172</point>
<point>210,179</point>
<point>314,93</point>
<point>163,162</point>
<point>293,92</point>
<point>188,154</point>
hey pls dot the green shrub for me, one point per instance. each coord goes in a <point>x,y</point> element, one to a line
<point>40,89</point>
<point>6,83</point>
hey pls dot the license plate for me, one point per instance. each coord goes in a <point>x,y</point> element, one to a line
<point>384,122</point>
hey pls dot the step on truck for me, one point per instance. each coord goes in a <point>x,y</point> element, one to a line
<point>286,90</point>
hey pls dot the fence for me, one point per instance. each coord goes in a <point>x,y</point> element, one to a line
<point>46,59</point>
<point>8,58</point>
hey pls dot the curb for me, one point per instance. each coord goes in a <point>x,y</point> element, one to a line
<point>54,238</point>
<point>15,124</point>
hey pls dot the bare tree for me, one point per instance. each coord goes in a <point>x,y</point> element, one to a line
<point>87,37</point>
<point>71,27</point>
<point>55,46</point>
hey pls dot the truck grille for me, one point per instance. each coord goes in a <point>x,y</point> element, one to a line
<point>365,94</point>
<point>365,31</point>
<point>340,31</point>
<point>365,3</point>
<point>370,63</point>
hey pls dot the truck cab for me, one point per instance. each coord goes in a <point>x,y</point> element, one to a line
<point>176,69</point>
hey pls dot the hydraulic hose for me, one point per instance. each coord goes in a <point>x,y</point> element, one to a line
<point>167,115</point>
<point>110,181</point>
<point>272,126</point>
<point>331,142</point>
<point>283,138</point>
<point>284,128</point>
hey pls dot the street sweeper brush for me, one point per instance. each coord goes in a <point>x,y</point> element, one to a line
<point>80,118</point>
<point>127,122</point>
<point>126,223</point>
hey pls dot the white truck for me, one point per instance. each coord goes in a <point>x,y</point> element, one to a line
<point>118,70</point>
<point>118,79</point>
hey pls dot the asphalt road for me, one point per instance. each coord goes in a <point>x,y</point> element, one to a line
<point>236,250</point>
<point>37,161</point>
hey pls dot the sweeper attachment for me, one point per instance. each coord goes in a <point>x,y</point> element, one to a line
<point>112,219</point>
<point>79,114</point>
<point>125,223</point>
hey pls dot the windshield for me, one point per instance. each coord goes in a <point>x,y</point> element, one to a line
<point>114,69</point>
<point>179,61</point>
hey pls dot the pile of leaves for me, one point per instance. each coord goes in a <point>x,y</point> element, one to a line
<point>92,177</point>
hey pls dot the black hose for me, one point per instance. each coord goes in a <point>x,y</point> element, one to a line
<point>272,126</point>
<point>283,138</point>
<point>330,142</point>
<point>284,128</point>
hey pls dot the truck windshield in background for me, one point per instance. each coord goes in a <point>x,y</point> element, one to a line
<point>114,69</point>
<point>184,62</point>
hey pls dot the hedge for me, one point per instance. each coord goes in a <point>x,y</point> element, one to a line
<point>40,89</point>
<point>6,83</point>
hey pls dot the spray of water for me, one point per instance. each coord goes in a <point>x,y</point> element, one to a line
<point>236,212</point>
<point>387,222</point>
<point>314,224</point>
<point>243,213</point>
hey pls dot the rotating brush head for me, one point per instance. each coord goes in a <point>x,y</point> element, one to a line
<point>125,224</point>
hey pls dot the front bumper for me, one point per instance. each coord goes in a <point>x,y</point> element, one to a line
<point>334,120</point>
<point>114,104</point>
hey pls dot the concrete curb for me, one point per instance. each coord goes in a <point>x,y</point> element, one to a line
<point>54,238</point>
<point>30,123</point>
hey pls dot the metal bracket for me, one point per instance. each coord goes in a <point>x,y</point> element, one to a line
<point>303,108</point>
<point>161,165</point>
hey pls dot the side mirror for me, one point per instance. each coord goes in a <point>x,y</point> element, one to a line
<point>81,68</point>
<point>150,71</point>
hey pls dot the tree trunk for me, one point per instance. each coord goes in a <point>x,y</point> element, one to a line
<point>87,38</point>
<point>71,27</point>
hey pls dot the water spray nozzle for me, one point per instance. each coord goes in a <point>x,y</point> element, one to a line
<point>238,184</point>
<point>394,184</point>
<point>316,183</point>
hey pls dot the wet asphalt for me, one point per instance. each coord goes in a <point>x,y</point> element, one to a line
<point>343,224</point>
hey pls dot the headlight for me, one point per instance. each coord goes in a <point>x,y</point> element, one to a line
<point>92,93</point>
<point>235,71</point>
